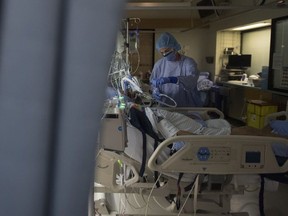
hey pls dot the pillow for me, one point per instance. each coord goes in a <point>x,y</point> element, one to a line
<point>279,127</point>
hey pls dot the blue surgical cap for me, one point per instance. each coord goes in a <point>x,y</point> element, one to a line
<point>166,40</point>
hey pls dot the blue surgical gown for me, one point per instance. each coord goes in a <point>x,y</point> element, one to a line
<point>185,92</point>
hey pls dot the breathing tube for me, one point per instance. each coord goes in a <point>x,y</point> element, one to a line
<point>156,95</point>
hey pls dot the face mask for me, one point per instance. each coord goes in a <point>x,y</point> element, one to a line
<point>171,56</point>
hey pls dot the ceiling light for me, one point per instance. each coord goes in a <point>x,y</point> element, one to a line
<point>251,26</point>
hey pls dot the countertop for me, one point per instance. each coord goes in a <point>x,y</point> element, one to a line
<point>237,83</point>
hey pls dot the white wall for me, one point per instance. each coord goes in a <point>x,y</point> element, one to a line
<point>257,43</point>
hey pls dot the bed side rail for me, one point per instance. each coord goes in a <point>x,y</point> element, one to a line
<point>231,154</point>
<point>110,166</point>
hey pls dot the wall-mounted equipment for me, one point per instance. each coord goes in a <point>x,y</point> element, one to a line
<point>228,51</point>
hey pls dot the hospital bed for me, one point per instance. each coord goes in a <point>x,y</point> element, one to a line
<point>209,165</point>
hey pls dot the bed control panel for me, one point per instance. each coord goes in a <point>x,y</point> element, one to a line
<point>216,154</point>
<point>221,155</point>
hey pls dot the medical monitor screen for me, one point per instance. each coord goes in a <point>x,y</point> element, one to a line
<point>239,61</point>
<point>253,157</point>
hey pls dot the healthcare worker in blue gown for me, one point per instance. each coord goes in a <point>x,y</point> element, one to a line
<point>175,74</point>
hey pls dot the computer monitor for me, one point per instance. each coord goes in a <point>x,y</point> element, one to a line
<point>239,61</point>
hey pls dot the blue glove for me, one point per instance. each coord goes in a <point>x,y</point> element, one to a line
<point>163,80</point>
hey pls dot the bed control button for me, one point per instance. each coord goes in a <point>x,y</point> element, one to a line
<point>203,154</point>
<point>214,154</point>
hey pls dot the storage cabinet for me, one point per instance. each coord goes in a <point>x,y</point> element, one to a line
<point>236,97</point>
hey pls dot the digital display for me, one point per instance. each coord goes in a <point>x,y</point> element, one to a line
<point>253,157</point>
<point>239,61</point>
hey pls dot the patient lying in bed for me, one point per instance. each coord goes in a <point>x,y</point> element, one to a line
<point>180,124</point>
<point>167,124</point>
